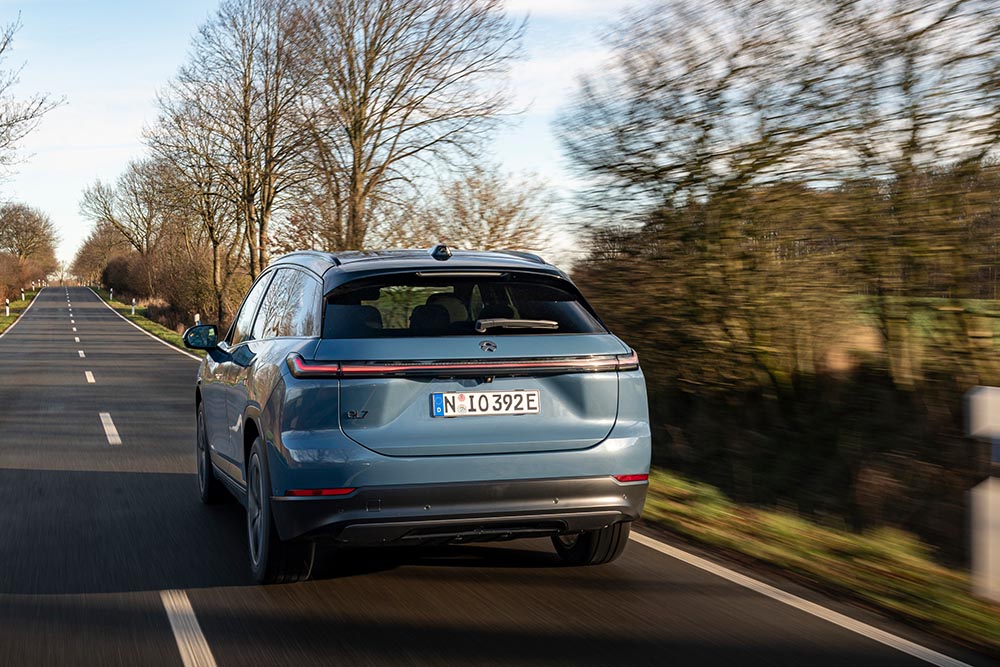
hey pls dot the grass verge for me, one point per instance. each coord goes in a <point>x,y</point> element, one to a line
<point>146,324</point>
<point>16,308</point>
<point>886,569</point>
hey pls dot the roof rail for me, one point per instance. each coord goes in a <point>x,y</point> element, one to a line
<point>328,256</point>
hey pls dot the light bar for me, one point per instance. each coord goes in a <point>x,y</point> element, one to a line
<point>470,368</point>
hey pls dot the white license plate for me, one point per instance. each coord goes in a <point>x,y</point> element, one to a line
<point>476,403</point>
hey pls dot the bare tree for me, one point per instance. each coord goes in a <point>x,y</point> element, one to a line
<point>399,82</point>
<point>18,117</point>
<point>134,206</point>
<point>103,243</point>
<point>184,138</point>
<point>26,232</point>
<point>244,85</point>
<point>482,209</point>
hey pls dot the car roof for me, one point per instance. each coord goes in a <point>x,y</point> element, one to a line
<point>340,267</point>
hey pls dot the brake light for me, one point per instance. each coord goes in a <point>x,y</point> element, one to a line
<point>303,493</point>
<point>301,369</point>
<point>460,368</point>
<point>632,478</point>
<point>628,362</point>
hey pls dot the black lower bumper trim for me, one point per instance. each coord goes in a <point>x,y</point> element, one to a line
<point>466,512</point>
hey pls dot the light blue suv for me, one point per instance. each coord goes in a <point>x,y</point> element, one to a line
<point>420,396</point>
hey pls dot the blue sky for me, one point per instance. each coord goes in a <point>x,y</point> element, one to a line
<point>108,59</point>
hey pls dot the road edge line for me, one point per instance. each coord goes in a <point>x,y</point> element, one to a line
<point>819,611</point>
<point>191,642</point>
<point>138,328</point>
<point>23,312</point>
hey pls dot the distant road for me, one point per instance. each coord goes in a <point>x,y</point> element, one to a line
<point>108,558</point>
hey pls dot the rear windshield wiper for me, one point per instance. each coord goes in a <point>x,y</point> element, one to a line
<point>505,323</point>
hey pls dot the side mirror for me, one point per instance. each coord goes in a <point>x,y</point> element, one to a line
<point>202,337</point>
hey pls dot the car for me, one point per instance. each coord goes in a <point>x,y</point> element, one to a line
<point>408,397</point>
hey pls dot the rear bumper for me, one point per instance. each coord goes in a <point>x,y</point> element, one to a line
<point>460,512</point>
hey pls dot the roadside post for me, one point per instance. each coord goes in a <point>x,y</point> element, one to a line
<point>983,412</point>
<point>6,307</point>
<point>133,305</point>
<point>111,294</point>
<point>197,319</point>
<point>22,294</point>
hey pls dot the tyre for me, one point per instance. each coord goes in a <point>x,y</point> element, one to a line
<point>593,547</point>
<point>210,489</point>
<point>271,560</point>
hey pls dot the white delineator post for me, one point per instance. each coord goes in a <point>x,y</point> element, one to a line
<point>133,305</point>
<point>6,307</point>
<point>983,405</point>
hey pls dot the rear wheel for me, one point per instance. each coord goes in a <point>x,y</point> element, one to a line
<point>209,488</point>
<point>271,560</point>
<point>593,547</point>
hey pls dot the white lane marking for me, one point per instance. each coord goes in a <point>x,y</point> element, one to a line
<point>74,328</point>
<point>90,377</point>
<point>840,620</point>
<point>191,643</point>
<point>158,340</point>
<point>25,312</point>
<point>72,321</point>
<point>110,430</point>
<point>76,339</point>
<point>82,355</point>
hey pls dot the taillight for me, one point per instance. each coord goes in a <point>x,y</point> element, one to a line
<point>632,478</point>
<point>303,369</point>
<point>304,493</point>
<point>460,368</point>
<point>628,362</point>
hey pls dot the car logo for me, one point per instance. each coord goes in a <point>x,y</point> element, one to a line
<point>488,346</point>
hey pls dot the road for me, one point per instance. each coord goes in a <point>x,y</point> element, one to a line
<point>92,533</point>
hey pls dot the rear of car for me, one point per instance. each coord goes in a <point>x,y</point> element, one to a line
<point>451,403</point>
<point>411,397</point>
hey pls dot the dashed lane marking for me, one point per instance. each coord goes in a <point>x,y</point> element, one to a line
<point>110,430</point>
<point>90,377</point>
<point>191,642</point>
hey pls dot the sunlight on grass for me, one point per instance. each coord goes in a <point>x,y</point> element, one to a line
<point>887,568</point>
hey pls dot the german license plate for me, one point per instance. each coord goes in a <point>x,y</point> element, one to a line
<point>477,403</point>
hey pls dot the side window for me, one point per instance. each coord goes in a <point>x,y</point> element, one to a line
<point>291,307</point>
<point>241,328</point>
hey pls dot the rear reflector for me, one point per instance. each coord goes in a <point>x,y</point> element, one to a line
<point>300,493</point>
<point>632,478</point>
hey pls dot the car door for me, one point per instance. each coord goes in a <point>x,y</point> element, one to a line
<point>238,355</point>
<point>288,312</point>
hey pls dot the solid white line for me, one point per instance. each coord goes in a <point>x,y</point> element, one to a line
<point>90,377</point>
<point>158,340</point>
<point>82,355</point>
<point>23,313</point>
<point>110,430</point>
<point>191,643</point>
<point>840,620</point>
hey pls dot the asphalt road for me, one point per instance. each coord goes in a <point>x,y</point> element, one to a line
<point>92,533</point>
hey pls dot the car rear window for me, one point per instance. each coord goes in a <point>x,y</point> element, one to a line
<point>408,305</point>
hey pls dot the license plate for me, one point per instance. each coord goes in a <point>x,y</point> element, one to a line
<point>476,403</point>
